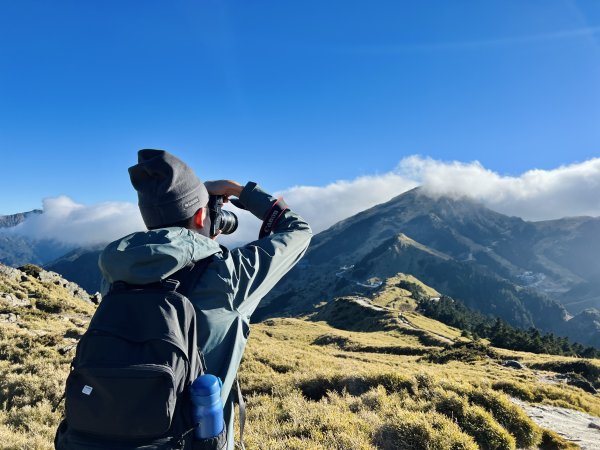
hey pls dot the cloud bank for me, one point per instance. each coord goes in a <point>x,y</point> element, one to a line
<point>75,224</point>
<point>571,190</point>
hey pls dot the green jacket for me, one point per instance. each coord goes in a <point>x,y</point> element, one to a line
<point>230,289</point>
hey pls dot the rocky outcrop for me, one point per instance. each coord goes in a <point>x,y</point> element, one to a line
<point>14,301</point>
<point>10,272</point>
<point>44,276</point>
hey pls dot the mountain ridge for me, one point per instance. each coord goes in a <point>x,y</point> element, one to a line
<point>12,220</point>
<point>532,264</point>
<point>459,247</point>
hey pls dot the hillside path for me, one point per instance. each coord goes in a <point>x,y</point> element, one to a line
<point>575,426</point>
<point>409,324</point>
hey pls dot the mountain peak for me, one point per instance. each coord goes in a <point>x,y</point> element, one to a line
<point>13,220</point>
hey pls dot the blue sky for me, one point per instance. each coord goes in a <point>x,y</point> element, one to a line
<point>289,93</point>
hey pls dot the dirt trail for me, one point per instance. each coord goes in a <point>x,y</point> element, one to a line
<point>575,426</point>
<point>411,325</point>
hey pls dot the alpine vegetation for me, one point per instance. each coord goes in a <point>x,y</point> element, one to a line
<point>328,381</point>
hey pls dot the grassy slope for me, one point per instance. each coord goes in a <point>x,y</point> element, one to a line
<point>308,385</point>
<point>314,387</point>
<point>34,358</point>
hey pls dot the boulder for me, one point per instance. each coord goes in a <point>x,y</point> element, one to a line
<point>513,363</point>
<point>574,379</point>
<point>9,318</point>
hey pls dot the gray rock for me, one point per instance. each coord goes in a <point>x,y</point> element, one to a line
<point>10,272</point>
<point>96,298</point>
<point>9,318</point>
<point>14,301</point>
<point>66,349</point>
<point>514,364</point>
<point>573,379</point>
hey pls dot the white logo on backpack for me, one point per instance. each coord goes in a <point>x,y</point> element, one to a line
<point>87,390</point>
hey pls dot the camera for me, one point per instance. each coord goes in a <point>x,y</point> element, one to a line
<point>224,221</point>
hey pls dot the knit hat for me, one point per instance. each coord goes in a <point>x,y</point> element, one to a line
<point>168,189</point>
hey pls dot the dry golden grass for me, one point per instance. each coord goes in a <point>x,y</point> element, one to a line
<point>289,365</point>
<point>34,360</point>
<point>308,385</point>
<point>393,296</point>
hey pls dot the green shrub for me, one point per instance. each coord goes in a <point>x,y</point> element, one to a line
<point>514,389</point>
<point>462,351</point>
<point>475,421</point>
<point>49,305</point>
<point>31,270</point>
<point>552,441</point>
<point>394,382</point>
<point>510,416</point>
<point>410,430</point>
<point>317,387</point>
<point>587,369</point>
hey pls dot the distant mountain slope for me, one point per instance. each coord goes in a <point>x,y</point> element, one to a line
<point>499,265</point>
<point>583,296</point>
<point>15,219</point>
<point>16,249</point>
<point>80,266</point>
<point>552,256</point>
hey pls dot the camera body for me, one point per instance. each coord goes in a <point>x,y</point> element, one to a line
<point>224,221</point>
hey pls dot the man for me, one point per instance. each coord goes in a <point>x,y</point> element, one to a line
<point>172,201</point>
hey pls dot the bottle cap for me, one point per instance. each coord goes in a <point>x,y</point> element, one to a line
<point>206,385</point>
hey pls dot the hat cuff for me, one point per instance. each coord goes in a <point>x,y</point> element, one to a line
<point>176,210</point>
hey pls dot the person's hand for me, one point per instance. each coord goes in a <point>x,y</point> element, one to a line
<point>225,188</point>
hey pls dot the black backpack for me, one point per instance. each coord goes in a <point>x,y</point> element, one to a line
<point>129,383</point>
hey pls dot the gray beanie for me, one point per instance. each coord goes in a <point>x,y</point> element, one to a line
<point>168,189</point>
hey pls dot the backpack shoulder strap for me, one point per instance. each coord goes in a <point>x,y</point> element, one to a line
<point>185,280</point>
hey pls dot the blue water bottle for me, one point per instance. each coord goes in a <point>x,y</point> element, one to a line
<point>207,410</point>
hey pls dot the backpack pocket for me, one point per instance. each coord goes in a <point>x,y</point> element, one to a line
<point>133,402</point>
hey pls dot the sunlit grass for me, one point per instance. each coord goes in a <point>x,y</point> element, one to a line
<point>308,385</point>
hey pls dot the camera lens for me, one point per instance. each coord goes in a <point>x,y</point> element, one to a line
<point>229,222</point>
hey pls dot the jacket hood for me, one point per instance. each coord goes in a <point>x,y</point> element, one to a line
<point>150,256</point>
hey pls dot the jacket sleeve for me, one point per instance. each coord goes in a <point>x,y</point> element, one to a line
<point>259,265</point>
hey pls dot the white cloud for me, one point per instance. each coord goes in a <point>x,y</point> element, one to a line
<point>322,206</point>
<point>571,190</point>
<point>72,223</point>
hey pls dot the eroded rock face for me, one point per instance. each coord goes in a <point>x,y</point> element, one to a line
<point>9,318</point>
<point>14,301</point>
<point>10,272</point>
